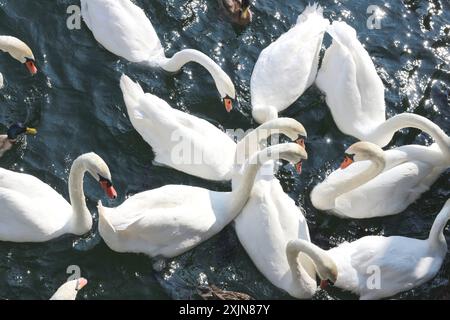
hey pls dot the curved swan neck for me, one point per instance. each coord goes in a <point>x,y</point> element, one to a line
<point>253,142</point>
<point>81,218</point>
<point>384,133</point>
<point>376,167</point>
<point>436,237</point>
<point>185,56</point>
<point>320,258</point>
<point>239,196</point>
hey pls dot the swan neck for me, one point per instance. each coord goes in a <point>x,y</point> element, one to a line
<point>319,257</point>
<point>239,196</point>
<point>254,141</point>
<point>436,237</point>
<point>81,218</point>
<point>183,57</point>
<point>384,133</point>
<point>377,165</point>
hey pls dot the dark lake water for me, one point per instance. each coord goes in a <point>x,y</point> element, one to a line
<point>77,106</point>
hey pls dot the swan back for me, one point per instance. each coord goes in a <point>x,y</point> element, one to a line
<point>31,210</point>
<point>122,28</point>
<point>293,58</point>
<point>354,91</point>
<point>18,49</point>
<point>402,263</point>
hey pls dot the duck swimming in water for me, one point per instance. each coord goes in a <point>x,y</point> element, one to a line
<point>8,140</point>
<point>238,11</point>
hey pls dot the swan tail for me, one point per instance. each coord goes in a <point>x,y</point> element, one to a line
<point>342,33</point>
<point>312,10</point>
<point>103,219</point>
<point>439,224</point>
<point>132,93</point>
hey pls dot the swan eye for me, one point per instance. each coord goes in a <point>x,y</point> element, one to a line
<point>350,156</point>
<point>301,141</point>
<point>105,181</point>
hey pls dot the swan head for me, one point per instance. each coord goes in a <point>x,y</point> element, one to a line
<point>327,273</point>
<point>227,92</point>
<point>361,151</point>
<point>292,152</point>
<point>99,170</point>
<point>20,51</point>
<point>291,128</point>
<point>69,290</point>
<point>18,129</point>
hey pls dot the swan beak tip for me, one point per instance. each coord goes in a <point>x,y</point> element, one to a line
<point>82,282</point>
<point>31,67</point>
<point>323,284</point>
<point>228,104</point>
<point>298,167</point>
<point>112,193</point>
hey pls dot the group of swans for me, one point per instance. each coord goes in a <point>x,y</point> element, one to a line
<point>168,130</point>
<point>269,215</point>
<point>20,52</point>
<point>32,211</point>
<point>173,219</point>
<point>124,29</point>
<point>389,181</point>
<point>376,267</point>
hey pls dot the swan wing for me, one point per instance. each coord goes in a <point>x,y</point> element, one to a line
<point>287,67</point>
<point>268,221</point>
<point>388,265</point>
<point>354,91</point>
<point>28,185</point>
<point>179,140</point>
<point>167,221</point>
<point>122,28</point>
<point>31,210</point>
<point>388,193</point>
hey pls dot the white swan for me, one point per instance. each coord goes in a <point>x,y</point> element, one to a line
<point>287,67</point>
<point>69,290</point>
<point>376,267</point>
<point>32,211</point>
<point>268,221</point>
<point>124,29</point>
<point>193,145</point>
<point>173,219</point>
<point>387,183</point>
<point>19,51</point>
<point>354,91</point>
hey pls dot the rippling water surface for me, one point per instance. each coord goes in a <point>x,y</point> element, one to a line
<point>76,104</point>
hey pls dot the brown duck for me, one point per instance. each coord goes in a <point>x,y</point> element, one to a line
<point>238,11</point>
